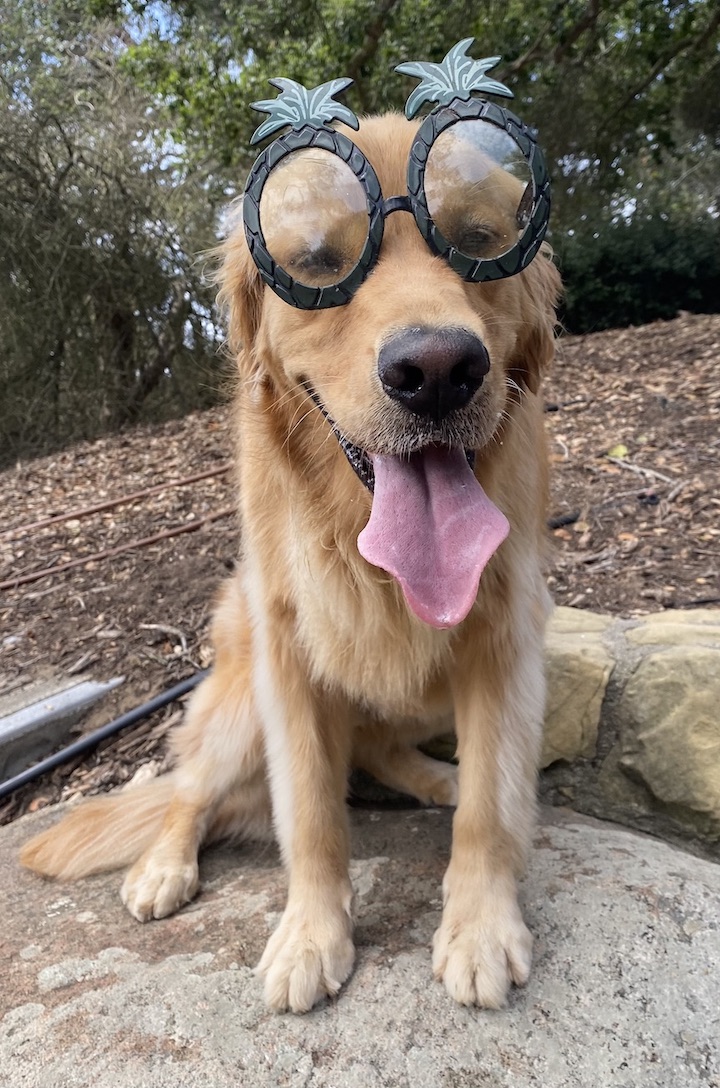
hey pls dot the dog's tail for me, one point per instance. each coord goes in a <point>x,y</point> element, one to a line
<point>101,834</point>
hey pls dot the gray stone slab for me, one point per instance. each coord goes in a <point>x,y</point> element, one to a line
<point>625,990</point>
<point>37,718</point>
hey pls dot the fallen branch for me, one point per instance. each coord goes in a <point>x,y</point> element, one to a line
<point>166,630</point>
<point>85,511</point>
<point>82,663</point>
<point>189,527</point>
<point>676,491</point>
<point>594,557</point>
<point>639,470</point>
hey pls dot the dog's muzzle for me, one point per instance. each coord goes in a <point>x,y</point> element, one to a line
<point>431,371</point>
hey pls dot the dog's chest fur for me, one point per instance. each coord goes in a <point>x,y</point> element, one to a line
<point>393,666</point>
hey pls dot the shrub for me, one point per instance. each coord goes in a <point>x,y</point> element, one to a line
<point>637,270</point>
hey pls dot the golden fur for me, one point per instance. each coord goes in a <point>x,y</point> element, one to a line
<point>320,664</point>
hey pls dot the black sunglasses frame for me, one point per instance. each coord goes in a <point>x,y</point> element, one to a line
<point>475,270</point>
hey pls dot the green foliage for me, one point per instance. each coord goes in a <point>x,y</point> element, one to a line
<point>629,272</point>
<point>604,81</point>
<point>103,315</point>
<point>126,124</point>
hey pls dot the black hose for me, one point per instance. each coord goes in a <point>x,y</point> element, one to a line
<point>91,740</point>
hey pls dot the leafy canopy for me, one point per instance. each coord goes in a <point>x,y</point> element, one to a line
<point>607,83</point>
<point>104,318</point>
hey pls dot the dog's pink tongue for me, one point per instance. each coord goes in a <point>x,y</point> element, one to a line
<point>433,528</point>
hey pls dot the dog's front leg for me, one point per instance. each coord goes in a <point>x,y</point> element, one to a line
<point>482,944</point>
<point>311,953</point>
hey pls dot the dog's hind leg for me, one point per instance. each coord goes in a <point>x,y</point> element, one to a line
<point>219,786</point>
<point>219,791</point>
<point>403,767</point>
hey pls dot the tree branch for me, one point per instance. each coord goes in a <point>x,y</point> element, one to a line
<point>535,49</point>
<point>691,42</point>
<point>167,343</point>
<point>369,47</point>
<point>587,20</point>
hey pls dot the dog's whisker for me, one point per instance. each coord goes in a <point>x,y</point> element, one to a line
<point>295,425</point>
<point>290,396</point>
<point>515,387</point>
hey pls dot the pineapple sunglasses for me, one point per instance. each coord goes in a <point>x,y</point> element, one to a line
<point>477,183</point>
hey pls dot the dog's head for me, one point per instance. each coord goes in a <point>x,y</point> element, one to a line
<point>420,366</point>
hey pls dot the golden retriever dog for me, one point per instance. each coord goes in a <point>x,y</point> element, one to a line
<point>360,624</point>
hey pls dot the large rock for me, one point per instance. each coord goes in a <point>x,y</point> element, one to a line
<point>694,627</point>
<point>653,760</point>
<point>624,990</point>
<point>578,670</point>
<point>670,710</point>
<point>632,722</point>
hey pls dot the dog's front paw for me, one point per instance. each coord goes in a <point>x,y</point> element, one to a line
<point>478,954</point>
<point>155,888</point>
<point>306,959</point>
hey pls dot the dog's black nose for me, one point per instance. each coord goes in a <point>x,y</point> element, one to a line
<point>433,371</point>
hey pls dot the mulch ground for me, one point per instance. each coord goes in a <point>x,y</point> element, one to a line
<point>633,429</point>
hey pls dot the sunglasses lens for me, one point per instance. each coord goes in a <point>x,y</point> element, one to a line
<point>478,188</point>
<point>314,217</point>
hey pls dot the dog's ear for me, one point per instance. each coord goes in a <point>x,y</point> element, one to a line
<point>536,341</point>
<point>240,293</point>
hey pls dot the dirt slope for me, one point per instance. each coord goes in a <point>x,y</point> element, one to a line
<point>633,433</point>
